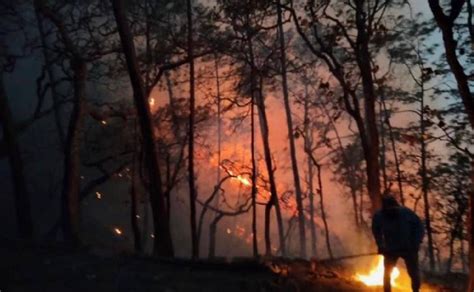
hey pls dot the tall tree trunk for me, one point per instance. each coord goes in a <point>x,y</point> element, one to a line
<point>382,148</point>
<point>446,23</point>
<point>274,201</point>
<point>425,182</point>
<point>162,243</point>
<point>72,159</point>
<point>308,141</point>
<point>254,170</point>
<point>371,149</point>
<point>212,235</point>
<point>323,211</point>
<point>22,200</point>
<point>291,139</point>
<point>219,147</point>
<point>394,149</point>
<point>191,175</point>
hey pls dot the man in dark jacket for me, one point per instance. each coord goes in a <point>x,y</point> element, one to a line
<point>398,232</point>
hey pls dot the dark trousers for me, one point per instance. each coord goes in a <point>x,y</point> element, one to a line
<point>411,262</point>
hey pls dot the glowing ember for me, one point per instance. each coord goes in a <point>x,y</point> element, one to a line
<point>117,231</point>
<point>375,276</point>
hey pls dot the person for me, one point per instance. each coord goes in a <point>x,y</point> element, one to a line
<point>398,232</point>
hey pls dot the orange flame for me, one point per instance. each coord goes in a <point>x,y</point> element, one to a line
<point>117,231</point>
<point>375,276</point>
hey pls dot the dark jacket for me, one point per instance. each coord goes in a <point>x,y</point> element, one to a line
<point>397,229</point>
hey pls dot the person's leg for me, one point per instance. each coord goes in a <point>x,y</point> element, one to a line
<point>411,261</point>
<point>389,262</point>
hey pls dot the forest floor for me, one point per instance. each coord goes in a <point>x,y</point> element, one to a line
<point>57,270</point>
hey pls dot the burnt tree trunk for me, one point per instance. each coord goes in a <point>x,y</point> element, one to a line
<point>22,200</point>
<point>72,158</point>
<point>191,175</point>
<point>162,243</point>
<point>291,139</point>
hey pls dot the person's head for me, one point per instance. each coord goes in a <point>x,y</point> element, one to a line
<point>389,202</point>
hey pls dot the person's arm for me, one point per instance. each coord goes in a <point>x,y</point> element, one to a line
<point>377,232</point>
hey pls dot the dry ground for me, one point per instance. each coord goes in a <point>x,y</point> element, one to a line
<point>58,270</point>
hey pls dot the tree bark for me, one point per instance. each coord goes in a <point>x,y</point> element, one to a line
<point>425,182</point>
<point>191,175</point>
<point>383,165</point>
<point>274,200</point>
<point>291,140</point>
<point>22,200</point>
<point>371,152</point>
<point>308,141</point>
<point>254,170</point>
<point>394,149</point>
<point>212,235</point>
<point>162,243</point>
<point>72,159</point>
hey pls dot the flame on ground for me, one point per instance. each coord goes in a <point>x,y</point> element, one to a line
<point>375,276</point>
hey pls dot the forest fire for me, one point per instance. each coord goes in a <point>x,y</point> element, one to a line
<point>227,144</point>
<point>375,275</point>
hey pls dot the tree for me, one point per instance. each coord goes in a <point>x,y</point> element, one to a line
<point>192,187</point>
<point>162,244</point>
<point>446,24</point>
<point>291,140</point>
<point>362,18</point>
<point>72,159</point>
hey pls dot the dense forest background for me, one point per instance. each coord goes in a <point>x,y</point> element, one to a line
<point>236,128</point>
